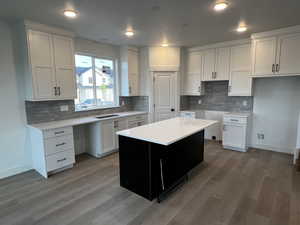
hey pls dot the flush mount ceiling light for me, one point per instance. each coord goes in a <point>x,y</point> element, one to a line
<point>241,29</point>
<point>164,45</point>
<point>220,6</point>
<point>70,13</point>
<point>129,33</point>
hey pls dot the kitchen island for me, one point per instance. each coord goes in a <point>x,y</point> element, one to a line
<point>155,158</point>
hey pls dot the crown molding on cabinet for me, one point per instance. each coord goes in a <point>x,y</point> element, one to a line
<point>282,31</point>
<point>48,29</point>
<point>220,45</point>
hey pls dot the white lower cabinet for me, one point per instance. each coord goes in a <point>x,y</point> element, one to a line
<point>52,150</point>
<point>103,139</point>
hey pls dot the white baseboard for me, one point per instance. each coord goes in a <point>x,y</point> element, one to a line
<point>273,148</point>
<point>14,171</point>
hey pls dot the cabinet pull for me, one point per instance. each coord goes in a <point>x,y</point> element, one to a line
<point>215,75</point>
<point>273,68</point>
<point>55,91</point>
<point>162,176</point>
<point>199,89</point>
<point>277,68</point>
<point>61,160</point>
<point>234,120</point>
<point>59,132</point>
<point>212,75</point>
<point>61,144</point>
<point>129,89</point>
<point>58,90</point>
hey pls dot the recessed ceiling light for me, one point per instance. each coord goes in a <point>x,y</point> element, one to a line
<point>70,13</point>
<point>164,45</point>
<point>241,29</point>
<point>129,33</point>
<point>220,6</point>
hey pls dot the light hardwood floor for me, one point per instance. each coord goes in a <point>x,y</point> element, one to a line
<point>254,188</point>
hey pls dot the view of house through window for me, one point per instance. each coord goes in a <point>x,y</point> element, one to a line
<point>95,82</point>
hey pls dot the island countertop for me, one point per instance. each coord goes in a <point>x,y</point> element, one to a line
<point>168,131</point>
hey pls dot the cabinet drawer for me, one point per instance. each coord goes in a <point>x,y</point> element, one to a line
<point>59,144</point>
<point>58,132</point>
<point>235,120</point>
<point>60,160</point>
<point>137,118</point>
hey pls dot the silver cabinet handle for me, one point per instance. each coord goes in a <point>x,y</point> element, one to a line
<point>59,132</point>
<point>273,68</point>
<point>277,68</point>
<point>61,144</point>
<point>129,89</point>
<point>234,120</point>
<point>215,75</point>
<point>59,91</point>
<point>61,160</point>
<point>55,91</point>
<point>162,175</point>
<point>212,75</point>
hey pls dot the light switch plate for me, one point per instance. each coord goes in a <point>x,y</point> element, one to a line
<point>64,108</point>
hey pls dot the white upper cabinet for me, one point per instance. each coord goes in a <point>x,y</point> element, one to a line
<point>64,67</point>
<point>264,53</point>
<point>222,64</point>
<point>288,54</point>
<point>164,58</point>
<point>192,80</point>
<point>209,59</point>
<point>48,58</point>
<point>40,49</point>
<point>276,52</point>
<point>240,82</point>
<point>130,71</point>
<point>216,63</point>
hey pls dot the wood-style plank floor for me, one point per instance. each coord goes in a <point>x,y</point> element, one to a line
<point>254,188</point>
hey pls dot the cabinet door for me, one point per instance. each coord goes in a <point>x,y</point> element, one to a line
<point>133,73</point>
<point>41,59</point>
<point>192,82</point>
<point>288,54</point>
<point>194,62</point>
<point>264,52</point>
<point>222,63</point>
<point>240,83</point>
<point>234,136</point>
<point>108,136</point>
<point>65,68</point>
<point>208,64</point>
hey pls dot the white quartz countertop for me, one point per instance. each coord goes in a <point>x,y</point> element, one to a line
<point>83,120</point>
<point>169,131</point>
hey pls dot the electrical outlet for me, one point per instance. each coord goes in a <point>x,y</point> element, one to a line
<point>199,101</point>
<point>260,136</point>
<point>245,103</point>
<point>64,108</point>
<point>122,103</point>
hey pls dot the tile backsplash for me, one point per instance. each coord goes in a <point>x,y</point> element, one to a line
<point>46,111</point>
<point>216,98</point>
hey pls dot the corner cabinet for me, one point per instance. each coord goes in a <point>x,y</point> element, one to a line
<point>48,62</point>
<point>129,71</point>
<point>193,75</point>
<point>276,52</point>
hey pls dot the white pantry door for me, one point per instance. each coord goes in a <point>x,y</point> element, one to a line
<point>164,96</point>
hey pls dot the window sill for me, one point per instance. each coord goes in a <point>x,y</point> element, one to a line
<point>97,108</point>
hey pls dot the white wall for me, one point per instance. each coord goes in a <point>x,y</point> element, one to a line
<point>96,48</point>
<point>275,113</point>
<point>15,156</point>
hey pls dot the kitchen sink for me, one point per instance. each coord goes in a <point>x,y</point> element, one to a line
<point>106,116</point>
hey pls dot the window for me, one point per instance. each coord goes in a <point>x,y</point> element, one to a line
<point>96,83</point>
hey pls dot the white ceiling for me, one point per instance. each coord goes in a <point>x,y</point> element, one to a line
<point>180,22</point>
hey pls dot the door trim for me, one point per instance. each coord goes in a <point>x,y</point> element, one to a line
<point>151,96</point>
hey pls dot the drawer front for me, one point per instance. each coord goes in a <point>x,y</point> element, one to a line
<point>137,118</point>
<point>242,120</point>
<point>132,124</point>
<point>120,125</point>
<point>58,144</point>
<point>60,160</point>
<point>58,132</point>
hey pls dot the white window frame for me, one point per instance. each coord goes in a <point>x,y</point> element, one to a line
<point>116,82</point>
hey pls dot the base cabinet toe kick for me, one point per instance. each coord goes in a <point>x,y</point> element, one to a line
<point>153,170</point>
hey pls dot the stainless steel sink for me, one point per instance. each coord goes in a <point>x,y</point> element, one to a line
<point>106,116</point>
